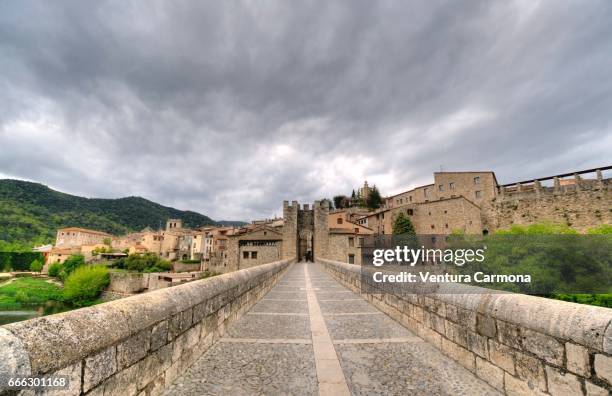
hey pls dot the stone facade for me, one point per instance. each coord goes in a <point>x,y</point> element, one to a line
<point>75,237</point>
<point>580,207</point>
<point>474,203</point>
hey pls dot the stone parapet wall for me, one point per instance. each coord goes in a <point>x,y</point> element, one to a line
<point>519,344</point>
<point>579,208</point>
<point>136,345</point>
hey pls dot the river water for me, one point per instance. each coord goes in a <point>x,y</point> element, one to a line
<point>32,311</point>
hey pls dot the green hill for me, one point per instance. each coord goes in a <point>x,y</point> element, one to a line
<point>30,213</point>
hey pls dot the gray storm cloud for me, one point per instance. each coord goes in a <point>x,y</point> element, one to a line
<point>228,108</point>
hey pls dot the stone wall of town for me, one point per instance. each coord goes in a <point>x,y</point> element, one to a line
<point>136,344</point>
<point>128,282</point>
<point>581,207</point>
<point>339,248</point>
<point>519,344</point>
<point>266,253</point>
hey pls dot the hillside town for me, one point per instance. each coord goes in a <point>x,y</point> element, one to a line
<point>468,202</point>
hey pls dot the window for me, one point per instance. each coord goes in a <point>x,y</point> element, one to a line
<point>433,226</point>
<point>351,242</point>
<point>410,198</point>
<point>339,220</point>
<point>478,194</point>
<point>446,225</point>
<point>445,211</point>
<point>351,259</point>
<point>441,187</point>
<point>430,213</point>
<point>451,185</point>
<point>361,241</point>
<point>245,255</point>
<point>409,212</point>
<point>356,230</point>
<point>477,180</point>
<point>253,255</point>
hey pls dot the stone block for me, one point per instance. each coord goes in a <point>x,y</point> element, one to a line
<point>478,344</point>
<point>543,346</point>
<point>123,383</point>
<point>149,369</point>
<point>451,312</point>
<point>156,387</point>
<point>509,334</point>
<point>438,307</point>
<point>430,336</point>
<point>578,359</point>
<point>99,367</point>
<point>595,390</point>
<point>179,323</point>
<point>133,349</point>
<point>516,387</point>
<point>199,311</point>
<point>485,325</point>
<point>466,318</point>
<point>73,374</point>
<point>531,370</point>
<point>493,375</point>
<point>464,357</point>
<point>502,356</point>
<point>561,384</point>
<point>159,335</point>
<point>437,323</point>
<point>603,367</point>
<point>418,314</point>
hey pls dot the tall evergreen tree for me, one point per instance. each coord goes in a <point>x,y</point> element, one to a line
<point>375,201</point>
<point>403,226</point>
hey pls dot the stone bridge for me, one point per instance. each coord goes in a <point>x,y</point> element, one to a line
<point>297,328</point>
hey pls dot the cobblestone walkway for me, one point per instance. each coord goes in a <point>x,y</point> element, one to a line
<point>310,335</point>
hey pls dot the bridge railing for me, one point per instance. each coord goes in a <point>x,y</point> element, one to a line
<point>517,343</point>
<point>137,343</point>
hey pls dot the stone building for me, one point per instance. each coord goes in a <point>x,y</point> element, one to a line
<point>75,236</point>
<point>474,203</point>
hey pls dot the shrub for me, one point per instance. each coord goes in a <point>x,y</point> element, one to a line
<point>36,266</point>
<point>603,229</point>
<point>147,262</point>
<point>71,264</point>
<point>85,284</point>
<point>55,269</point>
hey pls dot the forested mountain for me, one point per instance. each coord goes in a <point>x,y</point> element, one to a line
<point>31,213</point>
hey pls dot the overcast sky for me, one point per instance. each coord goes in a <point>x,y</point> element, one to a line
<point>230,107</point>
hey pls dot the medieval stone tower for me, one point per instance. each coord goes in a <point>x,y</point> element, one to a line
<point>305,230</point>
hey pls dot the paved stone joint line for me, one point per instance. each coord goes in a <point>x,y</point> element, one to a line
<point>352,313</point>
<point>378,340</point>
<point>277,313</point>
<point>329,373</point>
<point>266,340</point>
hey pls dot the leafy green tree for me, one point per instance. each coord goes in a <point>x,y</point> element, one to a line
<point>147,262</point>
<point>85,284</point>
<point>374,201</point>
<point>36,266</point>
<point>71,264</point>
<point>403,226</point>
<point>341,202</point>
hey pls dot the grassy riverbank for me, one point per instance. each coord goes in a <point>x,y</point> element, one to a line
<point>27,291</point>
